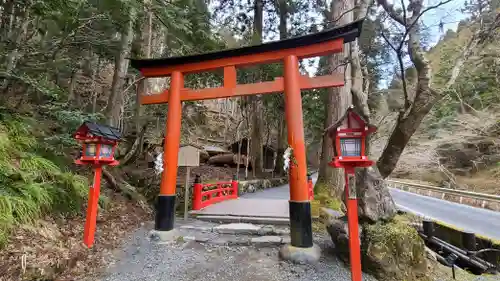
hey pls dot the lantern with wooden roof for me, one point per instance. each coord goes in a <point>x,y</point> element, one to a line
<point>98,144</point>
<point>348,137</point>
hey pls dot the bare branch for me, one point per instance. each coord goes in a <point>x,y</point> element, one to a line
<point>344,63</point>
<point>404,11</point>
<point>389,8</point>
<point>389,42</point>
<point>132,84</point>
<point>417,15</point>
<point>334,21</point>
<point>401,69</point>
<point>403,79</point>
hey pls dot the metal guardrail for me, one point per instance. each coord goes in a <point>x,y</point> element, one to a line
<point>463,193</point>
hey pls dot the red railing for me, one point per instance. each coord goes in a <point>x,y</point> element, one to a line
<point>207,194</point>
<point>310,187</point>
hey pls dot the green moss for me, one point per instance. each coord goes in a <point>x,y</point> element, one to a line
<point>394,251</point>
<point>322,195</point>
<point>179,239</point>
<point>327,201</point>
<point>318,227</point>
<point>443,273</point>
<point>321,188</point>
<point>323,199</point>
<point>452,227</point>
<point>390,235</point>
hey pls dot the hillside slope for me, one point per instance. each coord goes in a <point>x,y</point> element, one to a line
<point>457,143</point>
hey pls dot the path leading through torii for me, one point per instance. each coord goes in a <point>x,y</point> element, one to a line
<point>270,203</point>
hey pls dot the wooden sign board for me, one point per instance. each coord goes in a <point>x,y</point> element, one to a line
<point>189,156</point>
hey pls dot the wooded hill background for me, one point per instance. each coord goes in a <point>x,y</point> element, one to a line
<point>66,61</point>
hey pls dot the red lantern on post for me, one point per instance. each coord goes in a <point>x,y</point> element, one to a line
<point>98,148</point>
<point>348,137</point>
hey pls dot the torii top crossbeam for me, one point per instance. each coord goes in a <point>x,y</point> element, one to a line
<point>318,44</point>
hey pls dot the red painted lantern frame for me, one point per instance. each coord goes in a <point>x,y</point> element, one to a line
<point>337,132</point>
<point>87,139</point>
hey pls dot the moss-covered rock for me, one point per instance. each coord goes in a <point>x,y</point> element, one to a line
<point>394,251</point>
<point>391,251</point>
<point>323,203</point>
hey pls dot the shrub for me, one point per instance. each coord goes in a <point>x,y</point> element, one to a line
<point>31,185</point>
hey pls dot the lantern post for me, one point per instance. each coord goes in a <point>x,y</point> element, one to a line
<point>348,137</point>
<point>98,148</point>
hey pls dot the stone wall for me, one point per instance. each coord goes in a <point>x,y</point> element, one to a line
<point>454,235</point>
<point>250,186</point>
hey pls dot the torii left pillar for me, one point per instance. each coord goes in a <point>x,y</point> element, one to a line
<point>165,206</point>
<point>299,204</point>
<point>302,248</point>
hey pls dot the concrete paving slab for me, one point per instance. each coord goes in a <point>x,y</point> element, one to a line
<point>236,219</point>
<point>266,241</point>
<point>237,228</point>
<point>268,206</point>
<point>246,207</point>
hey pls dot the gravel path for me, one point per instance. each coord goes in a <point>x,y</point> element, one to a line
<point>144,260</point>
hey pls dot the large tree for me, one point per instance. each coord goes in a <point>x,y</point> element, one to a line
<point>336,100</point>
<point>375,200</point>
<point>419,102</point>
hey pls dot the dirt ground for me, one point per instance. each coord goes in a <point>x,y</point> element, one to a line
<point>52,248</point>
<point>180,260</point>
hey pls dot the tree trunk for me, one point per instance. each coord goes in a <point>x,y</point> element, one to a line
<point>72,95</point>
<point>7,18</point>
<point>374,200</point>
<point>282,142</point>
<point>15,36</point>
<point>425,96</point>
<point>145,52</point>
<point>115,99</point>
<point>229,159</point>
<point>142,87</point>
<point>282,7</point>
<point>255,100</point>
<point>95,94</point>
<point>336,101</point>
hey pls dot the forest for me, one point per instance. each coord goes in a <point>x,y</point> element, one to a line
<point>433,93</point>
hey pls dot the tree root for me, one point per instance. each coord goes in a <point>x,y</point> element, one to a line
<point>135,146</point>
<point>120,185</point>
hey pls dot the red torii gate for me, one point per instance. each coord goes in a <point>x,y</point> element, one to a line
<point>288,51</point>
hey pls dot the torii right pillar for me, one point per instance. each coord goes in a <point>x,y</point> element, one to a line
<point>302,248</point>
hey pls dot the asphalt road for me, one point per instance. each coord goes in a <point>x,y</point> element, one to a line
<point>480,221</point>
<point>477,220</point>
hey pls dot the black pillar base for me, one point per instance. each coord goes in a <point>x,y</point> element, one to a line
<point>165,213</point>
<point>301,224</point>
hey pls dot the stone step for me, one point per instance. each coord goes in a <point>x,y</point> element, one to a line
<point>238,219</point>
<point>233,240</point>
<point>239,229</point>
<point>223,235</point>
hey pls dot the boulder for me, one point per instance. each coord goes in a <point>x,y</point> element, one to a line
<point>375,203</point>
<point>394,251</point>
<point>339,233</point>
<point>391,251</point>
